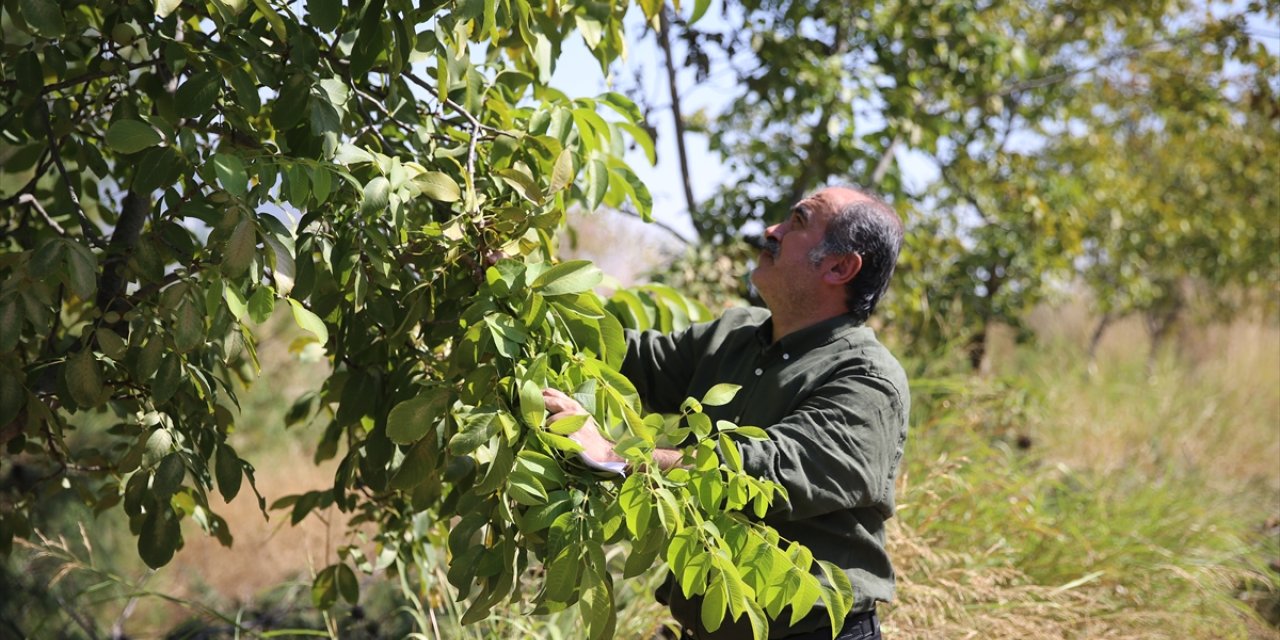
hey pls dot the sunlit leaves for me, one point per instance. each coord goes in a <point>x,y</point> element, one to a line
<point>401,196</point>
<point>574,276</point>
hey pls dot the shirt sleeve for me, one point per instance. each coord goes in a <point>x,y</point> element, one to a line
<point>839,449</point>
<point>661,366</point>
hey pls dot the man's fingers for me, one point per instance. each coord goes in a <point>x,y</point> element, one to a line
<point>558,402</point>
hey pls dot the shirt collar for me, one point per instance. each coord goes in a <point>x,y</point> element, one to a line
<point>810,337</point>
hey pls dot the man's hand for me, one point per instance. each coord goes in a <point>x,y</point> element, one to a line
<point>595,447</point>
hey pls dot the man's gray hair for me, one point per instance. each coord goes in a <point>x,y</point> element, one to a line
<point>871,229</point>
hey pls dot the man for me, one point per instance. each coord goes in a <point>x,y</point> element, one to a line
<point>833,400</point>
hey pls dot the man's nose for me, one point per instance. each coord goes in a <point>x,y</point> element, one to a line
<point>776,231</point>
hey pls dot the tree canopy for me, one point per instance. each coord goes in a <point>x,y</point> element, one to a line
<point>391,175</point>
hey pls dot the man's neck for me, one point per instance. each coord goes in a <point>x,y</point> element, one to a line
<point>786,324</point>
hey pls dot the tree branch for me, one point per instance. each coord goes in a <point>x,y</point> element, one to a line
<point>111,284</point>
<point>664,41</point>
<point>26,198</point>
<point>657,223</point>
<point>882,167</point>
<point>90,231</point>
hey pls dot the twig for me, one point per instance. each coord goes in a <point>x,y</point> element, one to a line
<point>381,107</point>
<point>657,223</point>
<point>90,231</point>
<point>471,152</point>
<point>882,166</point>
<point>456,107</point>
<point>27,198</point>
<point>89,77</point>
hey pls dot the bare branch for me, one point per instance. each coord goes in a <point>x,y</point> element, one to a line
<point>882,167</point>
<point>657,223</point>
<point>27,198</point>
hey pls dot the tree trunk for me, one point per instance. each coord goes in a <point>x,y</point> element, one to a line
<point>1096,339</point>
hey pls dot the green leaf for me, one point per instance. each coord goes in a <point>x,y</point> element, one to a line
<point>568,425</point>
<point>273,18</point>
<point>562,574</point>
<point>644,551</point>
<point>229,472</point>
<point>324,14</point>
<point>410,420</point>
<point>573,276</point>
<point>523,183</point>
<point>526,488</point>
<point>13,395</point>
<point>131,136</point>
<point>168,476</point>
<point>321,183</point>
<point>634,499</point>
<point>720,394</point>
<point>377,194</point>
<point>839,596</point>
<point>475,429</point>
<point>196,97</point>
<point>232,7</point>
<point>805,596</point>
<point>597,183</point>
<point>348,586</point>
<point>261,304</point>
<point>84,379</point>
<point>168,378</point>
<point>699,8</point>
<point>230,173</point>
<point>309,321</point>
<point>597,607</point>
<point>284,269</point>
<point>714,603</point>
<point>111,344</point>
<point>44,16</point>
<point>241,248</point>
<point>590,28</point>
<point>532,407</point>
<point>729,451</point>
<point>324,590</point>
<point>82,267</point>
<point>562,173</point>
<point>188,330</point>
<point>11,321</point>
<point>160,535</point>
<point>437,186</point>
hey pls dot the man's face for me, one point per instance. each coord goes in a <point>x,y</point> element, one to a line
<point>785,274</point>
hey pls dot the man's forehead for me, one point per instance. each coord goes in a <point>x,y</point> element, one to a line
<point>828,200</point>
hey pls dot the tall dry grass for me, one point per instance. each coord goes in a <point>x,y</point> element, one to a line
<point>1055,499</point>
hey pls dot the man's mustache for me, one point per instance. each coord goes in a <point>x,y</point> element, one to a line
<point>768,244</point>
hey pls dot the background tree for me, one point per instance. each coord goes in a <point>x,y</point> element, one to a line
<point>988,94</point>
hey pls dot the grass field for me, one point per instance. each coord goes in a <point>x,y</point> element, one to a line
<point>1047,498</point>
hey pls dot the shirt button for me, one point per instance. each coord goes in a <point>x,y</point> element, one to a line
<point>759,372</point>
<point>786,356</point>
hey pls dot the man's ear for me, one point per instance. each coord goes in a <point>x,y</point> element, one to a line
<point>843,269</point>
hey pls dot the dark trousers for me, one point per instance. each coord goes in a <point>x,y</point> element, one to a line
<point>859,626</point>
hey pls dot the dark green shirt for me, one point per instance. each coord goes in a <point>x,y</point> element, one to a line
<point>834,402</point>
